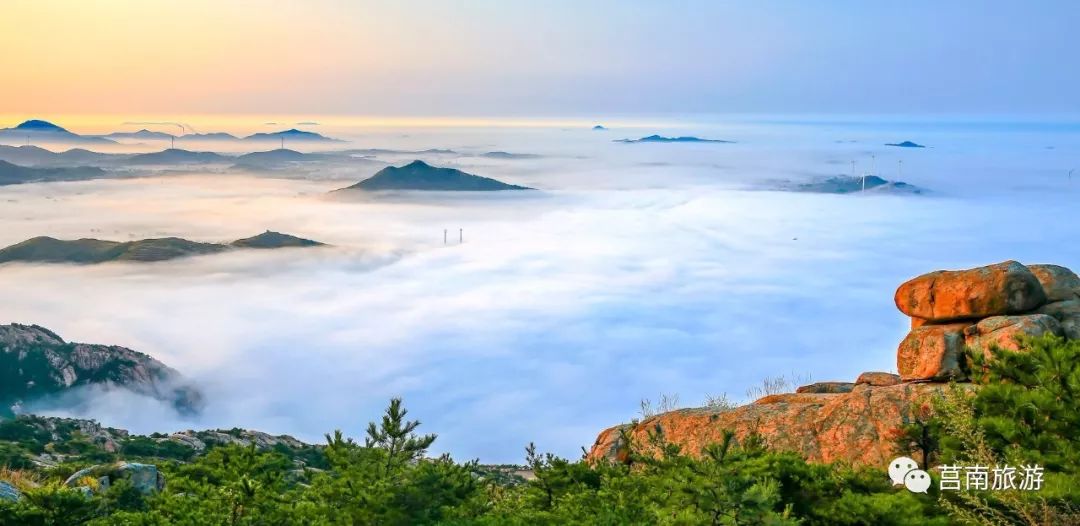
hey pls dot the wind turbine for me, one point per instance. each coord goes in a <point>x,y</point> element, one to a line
<point>873,169</point>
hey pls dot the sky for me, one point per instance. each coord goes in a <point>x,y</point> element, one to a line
<point>438,58</point>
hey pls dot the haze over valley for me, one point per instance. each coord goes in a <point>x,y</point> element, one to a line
<point>522,218</point>
<point>632,270</point>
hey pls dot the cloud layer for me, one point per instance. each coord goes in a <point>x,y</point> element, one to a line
<point>640,269</point>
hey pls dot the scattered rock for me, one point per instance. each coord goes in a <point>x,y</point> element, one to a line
<point>1059,283</point>
<point>1003,331</point>
<point>932,353</point>
<point>826,387</point>
<point>878,379</point>
<point>146,478</point>
<point>1004,288</point>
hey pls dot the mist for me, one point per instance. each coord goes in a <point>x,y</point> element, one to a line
<point>637,269</point>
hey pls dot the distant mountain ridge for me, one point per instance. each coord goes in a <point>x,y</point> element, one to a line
<point>905,144</point>
<point>291,134</point>
<point>37,130</point>
<point>846,184</point>
<point>661,138</point>
<point>178,156</point>
<point>141,134</point>
<point>44,131</point>
<point>15,174</point>
<point>419,175</point>
<point>35,156</point>
<point>90,251</point>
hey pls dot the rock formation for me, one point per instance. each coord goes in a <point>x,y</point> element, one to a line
<point>145,478</point>
<point>46,442</point>
<point>37,364</point>
<point>979,309</point>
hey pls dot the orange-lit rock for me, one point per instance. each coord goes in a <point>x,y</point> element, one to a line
<point>879,379</point>
<point>1059,283</point>
<point>794,398</point>
<point>1004,288</point>
<point>859,427</point>
<point>932,353</point>
<point>1002,331</point>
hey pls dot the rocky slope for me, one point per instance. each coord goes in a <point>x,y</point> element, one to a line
<point>45,441</point>
<point>860,422</point>
<point>36,364</point>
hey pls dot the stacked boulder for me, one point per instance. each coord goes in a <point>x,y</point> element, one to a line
<point>981,309</point>
<point>861,422</point>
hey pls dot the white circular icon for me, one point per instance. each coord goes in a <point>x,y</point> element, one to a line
<point>917,481</point>
<point>900,467</point>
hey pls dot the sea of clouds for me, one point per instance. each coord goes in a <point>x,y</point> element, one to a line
<point>637,269</point>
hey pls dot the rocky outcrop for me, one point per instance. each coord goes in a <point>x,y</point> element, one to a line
<point>980,309</point>
<point>199,440</point>
<point>36,364</point>
<point>146,478</point>
<point>51,435</point>
<point>1003,331</point>
<point>1059,283</point>
<point>858,427</point>
<point>932,352</point>
<point>878,379</point>
<point>1005,288</point>
<point>827,388</point>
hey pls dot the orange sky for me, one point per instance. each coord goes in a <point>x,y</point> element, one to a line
<point>137,55</point>
<point>512,58</point>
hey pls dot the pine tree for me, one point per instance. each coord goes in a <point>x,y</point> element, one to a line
<point>395,435</point>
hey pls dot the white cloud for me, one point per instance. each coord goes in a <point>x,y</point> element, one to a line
<point>560,311</point>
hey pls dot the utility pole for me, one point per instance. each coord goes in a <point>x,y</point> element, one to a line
<point>282,143</point>
<point>172,142</point>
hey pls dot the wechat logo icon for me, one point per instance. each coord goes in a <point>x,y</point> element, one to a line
<point>905,472</point>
